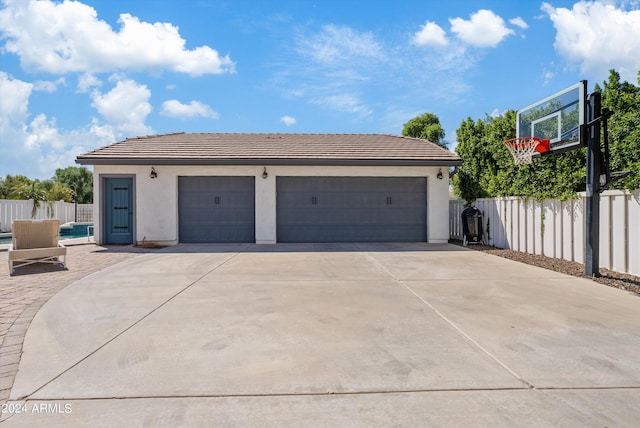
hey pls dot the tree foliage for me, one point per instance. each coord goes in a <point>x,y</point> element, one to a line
<point>10,183</point>
<point>623,99</point>
<point>426,126</point>
<point>78,179</point>
<point>32,190</point>
<point>69,185</point>
<point>488,170</point>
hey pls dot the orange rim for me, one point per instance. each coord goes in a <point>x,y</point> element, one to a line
<point>541,147</point>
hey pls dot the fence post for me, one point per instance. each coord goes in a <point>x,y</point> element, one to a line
<point>633,233</point>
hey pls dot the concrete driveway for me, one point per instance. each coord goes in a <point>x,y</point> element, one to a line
<point>330,335</point>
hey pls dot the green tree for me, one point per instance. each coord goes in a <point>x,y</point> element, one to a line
<point>467,182</point>
<point>55,191</point>
<point>426,126</point>
<point>623,99</point>
<point>10,183</point>
<point>79,180</point>
<point>33,190</point>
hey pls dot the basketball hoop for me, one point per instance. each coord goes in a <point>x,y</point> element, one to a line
<point>523,148</point>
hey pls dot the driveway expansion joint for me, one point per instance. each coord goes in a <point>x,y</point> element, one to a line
<point>447,320</point>
<point>283,394</point>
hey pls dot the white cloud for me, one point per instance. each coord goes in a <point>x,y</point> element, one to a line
<point>47,85</point>
<point>347,103</point>
<point>496,112</point>
<point>330,65</point>
<point>519,22</point>
<point>335,44</point>
<point>484,29</point>
<point>598,36</point>
<point>175,108</point>
<point>87,81</point>
<point>334,75</point>
<point>51,148</point>
<point>455,58</point>
<point>75,40</point>
<point>14,102</point>
<point>37,147</point>
<point>43,132</point>
<point>431,34</point>
<point>288,120</point>
<point>125,107</point>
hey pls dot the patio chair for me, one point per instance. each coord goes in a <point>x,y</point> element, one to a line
<point>35,241</point>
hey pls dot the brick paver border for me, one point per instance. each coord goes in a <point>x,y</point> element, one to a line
<point>24,293</point>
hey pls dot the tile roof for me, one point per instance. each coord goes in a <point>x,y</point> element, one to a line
<point>270,149</point>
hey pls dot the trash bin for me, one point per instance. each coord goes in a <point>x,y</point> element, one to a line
<point>472,226</point>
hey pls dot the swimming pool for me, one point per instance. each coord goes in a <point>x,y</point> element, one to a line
<point>76,230</point>
<point>67,231</point>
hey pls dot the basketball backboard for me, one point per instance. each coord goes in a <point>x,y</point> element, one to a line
<point>557,118</point>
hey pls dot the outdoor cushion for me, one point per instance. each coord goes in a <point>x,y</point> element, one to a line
<point>35,241</point>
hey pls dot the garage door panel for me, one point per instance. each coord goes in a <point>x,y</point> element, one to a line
<point>348,218</point>
<point>216,209</point>
<point>230,233</point>
<point>348,209</point>
<point>339,233</point>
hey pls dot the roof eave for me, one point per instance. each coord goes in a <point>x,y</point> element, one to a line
<point>302,162</point>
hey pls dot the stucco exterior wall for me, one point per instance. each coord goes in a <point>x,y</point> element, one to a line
<point>156,200</point>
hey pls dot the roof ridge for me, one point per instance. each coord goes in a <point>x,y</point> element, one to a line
<point>285,133</point>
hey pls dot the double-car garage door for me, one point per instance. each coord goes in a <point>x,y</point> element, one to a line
<point>308,209</point>
<point>351,209</point>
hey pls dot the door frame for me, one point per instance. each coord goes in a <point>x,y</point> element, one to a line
<point>103,205</point>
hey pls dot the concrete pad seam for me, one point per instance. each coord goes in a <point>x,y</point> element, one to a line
<point>6,416</point>
<point>448,321</point>
<point>131,326</point>
<point>283,394</point>
<point>469,338</point>
<point>586,388</point>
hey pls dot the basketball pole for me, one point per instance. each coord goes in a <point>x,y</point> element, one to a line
<point>594,162</point>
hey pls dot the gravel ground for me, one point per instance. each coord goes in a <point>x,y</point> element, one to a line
<point>609,278</point>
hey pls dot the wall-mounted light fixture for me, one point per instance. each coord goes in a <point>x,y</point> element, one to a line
<point>440,175</point>
<point>153,173</point>
<point>265,174</point>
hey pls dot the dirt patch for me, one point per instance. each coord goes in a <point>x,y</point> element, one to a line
<point>609,278</point>
<point>151,246</point>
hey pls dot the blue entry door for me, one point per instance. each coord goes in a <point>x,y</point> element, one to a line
<point>118,214</point>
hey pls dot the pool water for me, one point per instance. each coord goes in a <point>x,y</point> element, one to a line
<point>67,231</point>
<point>75,230</point>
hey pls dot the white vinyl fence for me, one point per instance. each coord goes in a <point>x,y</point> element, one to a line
<point>557,229</point>
<point>63,211</point>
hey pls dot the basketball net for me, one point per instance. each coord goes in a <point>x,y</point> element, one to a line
<point>523,148</point>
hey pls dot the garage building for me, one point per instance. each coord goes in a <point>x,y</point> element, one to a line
<point>268,188</point>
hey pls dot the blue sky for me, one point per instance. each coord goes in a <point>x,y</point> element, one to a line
<point>78,75</point>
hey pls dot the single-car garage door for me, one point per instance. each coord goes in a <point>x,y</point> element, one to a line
<point>216,209</point>
<point>351,209</point>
